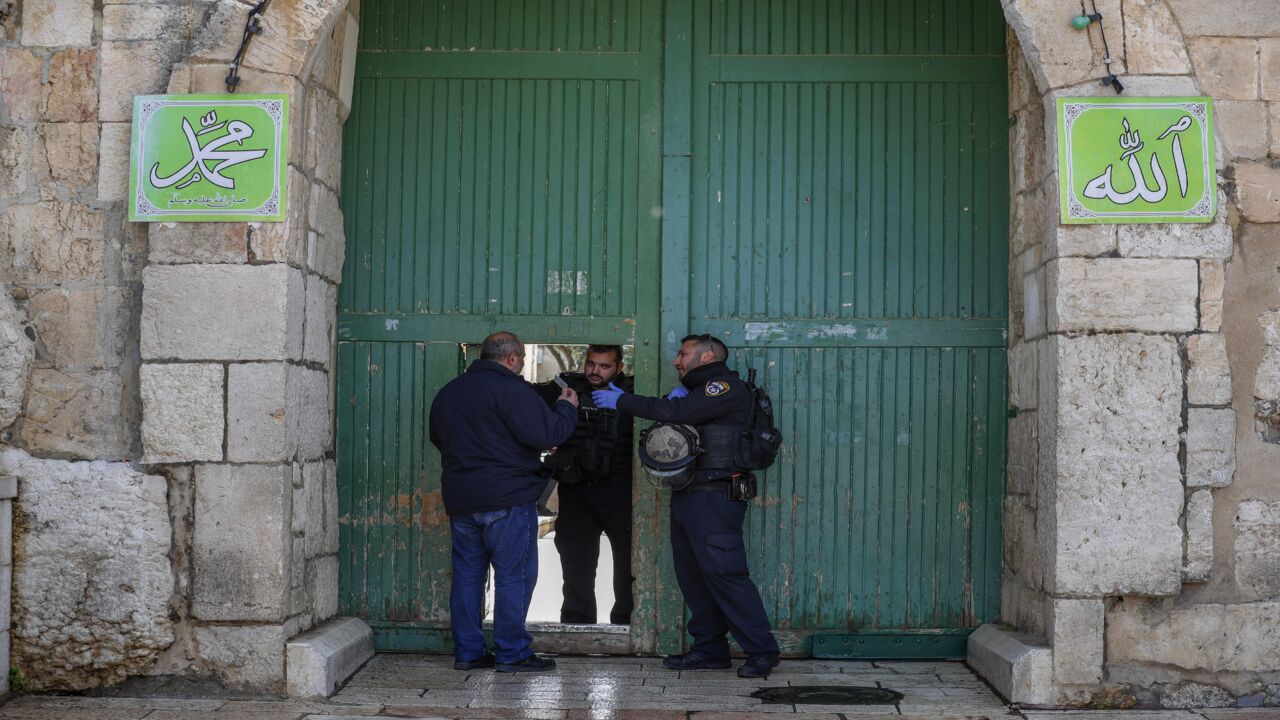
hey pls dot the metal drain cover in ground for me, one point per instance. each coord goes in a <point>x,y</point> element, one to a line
<point>826,695</point>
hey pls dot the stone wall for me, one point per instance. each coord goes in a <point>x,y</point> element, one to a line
<point>201,353</point>
<point>1141,514</point>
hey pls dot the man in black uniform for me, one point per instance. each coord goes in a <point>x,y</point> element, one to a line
<point>593,469</point>
<point>706,523</point>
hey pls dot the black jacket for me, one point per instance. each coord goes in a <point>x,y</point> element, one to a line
<point>716,396</point>
<point>490,427</point>
<point>617,430</point>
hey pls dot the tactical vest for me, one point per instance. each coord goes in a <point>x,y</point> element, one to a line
<point>602,439</point>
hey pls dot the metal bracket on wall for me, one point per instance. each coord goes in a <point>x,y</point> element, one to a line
<point>252,27</point>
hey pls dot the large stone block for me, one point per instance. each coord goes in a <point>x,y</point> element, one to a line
<point>1257,564</point>
<point>329,544</point>
<point>1213,279</point>
<point>220,312</point>
<point>321,660</point>
<point>66,157</point>
<point>81,328</point>
<point>330,244</point>
<point>156,21</point>
<point>75,414</point>
<point>15,160</point>
<point>244,657</point>
<point>1112,423</point>
<point>182,413</point>
<point>1059,58</point>
<point>1211,447</point>
<point>1121,294</point>
<point>322,308</point>
<point>1076,626</point>
<point>1199,523</point>
<point>20,74</point>
<point>1153,43</point>
<point>92,579</point>
<point>1258,191</point>
<point>1226,67</point>
<point>257,429</point>
<point>324,139</point>
<point>113,162</point>
<point>323,587</point>
<point>1270,65</point>
<point>241,542</point>
<point>180,243</point>
<point>57,22</point>
<point>1018,666</point>
<point>17,350</point>
<point>285,242</point>
<point>50,242</point>
<point>1208,372</point>
<point>1246,18</point>
<point>71,91</point>
<point>313,516</point>
<point>1242,125</point>
<point>1024,450</point>
<point>308,412</point>
<point>1215,639</point>
<point>1081,241</point>
<point>135,68</point>
<point>1178,240</point>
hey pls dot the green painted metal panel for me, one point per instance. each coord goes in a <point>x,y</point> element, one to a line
<point>848,239</point>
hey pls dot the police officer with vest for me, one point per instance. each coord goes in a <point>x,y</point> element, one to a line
<point>593,470</point>
<point>707,515</point>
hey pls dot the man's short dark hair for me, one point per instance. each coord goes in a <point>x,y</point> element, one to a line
<point>705,342</point>
<point>499,345</point>
<point>601,349</point>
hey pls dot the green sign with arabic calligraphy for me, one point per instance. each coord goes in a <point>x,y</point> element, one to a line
<point>1136,160</point>
<point>208,158</point>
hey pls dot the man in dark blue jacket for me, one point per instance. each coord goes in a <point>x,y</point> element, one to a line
<point>491,428</point>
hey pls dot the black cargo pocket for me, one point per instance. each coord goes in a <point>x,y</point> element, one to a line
<point>726,554</point>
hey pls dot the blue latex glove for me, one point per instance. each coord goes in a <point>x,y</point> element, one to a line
<point>678,391</point>
<point>607,399</point>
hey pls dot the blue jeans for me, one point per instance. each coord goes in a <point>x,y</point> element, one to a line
<point>506,539</point>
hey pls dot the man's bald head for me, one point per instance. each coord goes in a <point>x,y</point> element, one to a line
<point>501,345</point>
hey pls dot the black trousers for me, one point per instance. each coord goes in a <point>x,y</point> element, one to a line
<point>711,567</point>
<point>586,512</point>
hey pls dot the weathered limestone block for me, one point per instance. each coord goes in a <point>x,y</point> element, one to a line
<point>1081,241</point>
<point>1178,240</point>
<point>92,578</point>
<point>180,243</point>
<point>156,21</point>
<point>66,156</point>
<point>285,242</point>
<point>1258,191</point>
<point>323,588</point>
<point>244,657</point>
<point>136,68</point>
<point>1024,449</point>
<point>1211,447</point>
<point>324,139</point>
<point>1213,279</point>
<point>17,349</point>
<point>15,160</point>
<point>313,515</point>
<point>113,162</point>
<point>1226,67</point>
<point>1019,533</point>
<point>322,305</point>
<point>241,542</point>
<point>1076,626</point>
<point>1257,564</point>
<point>71,92</point>
<point>1242,126</point>
<point>1208,637</point>
<point>1274,151</point>
<point>1122,294</point>
<point>221,312</point>
<point>329,543</point>
<point>1034,317</point>
<point>182,413</point>
<point>308,411</point>
<point>75,414</point>
<point>1058,58</point>
<point>1208,374</point>
<point>81,328</point>
<point>1118,494</point>
<point>1269,60</point>
<point>20,73</point>
<point>57,22</point>
<point>1245,18</point>
<point>50,242</point>
<point>1153,43</point>
<point>1199,522</point>
<point>330,245</point>
<point>1022,375</point>
<point>257,430</point>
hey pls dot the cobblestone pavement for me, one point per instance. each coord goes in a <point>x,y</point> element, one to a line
<point>595,688</point>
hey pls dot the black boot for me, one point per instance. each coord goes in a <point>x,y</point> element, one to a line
<point>758,666</point>
<point>533,663</point>
<point>696,660</point>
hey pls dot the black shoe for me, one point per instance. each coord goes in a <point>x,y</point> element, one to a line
<point>533,663</point>
<point>696,660</point>
<point>484,662</point>
<point>758,666</point>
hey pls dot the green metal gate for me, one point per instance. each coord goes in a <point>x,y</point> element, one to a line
<point>823,184</point>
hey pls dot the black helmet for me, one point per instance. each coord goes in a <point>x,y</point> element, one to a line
<point>667,452</point>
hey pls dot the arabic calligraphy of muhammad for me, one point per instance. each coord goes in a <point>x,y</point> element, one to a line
<point>1136,160</point>
<point>208,158</point>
